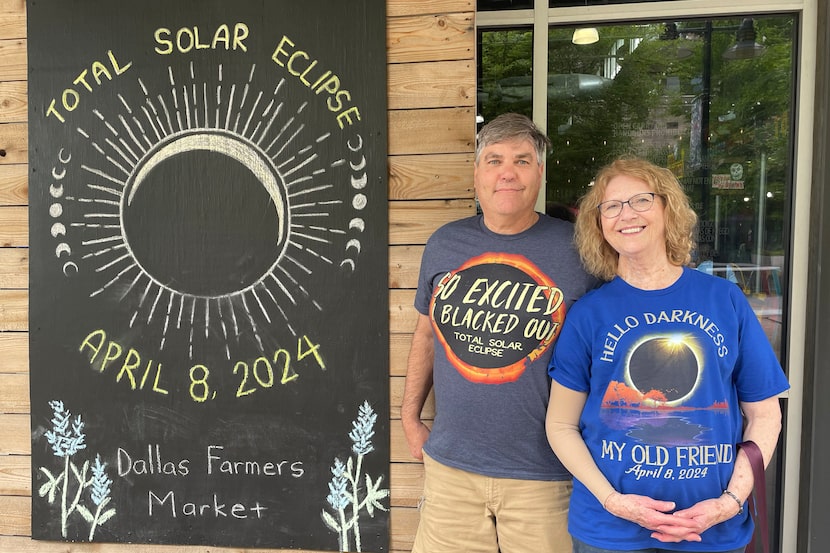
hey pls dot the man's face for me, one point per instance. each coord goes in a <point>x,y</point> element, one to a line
<point>507,179</point>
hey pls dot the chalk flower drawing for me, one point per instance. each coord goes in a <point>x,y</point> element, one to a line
<point>100,495</point>
<point>345,485</point>
<point>67,438</point>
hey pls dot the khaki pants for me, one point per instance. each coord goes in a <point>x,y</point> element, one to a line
<point>463,512</point>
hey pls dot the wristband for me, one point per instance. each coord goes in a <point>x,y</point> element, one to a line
<point>738,501</point>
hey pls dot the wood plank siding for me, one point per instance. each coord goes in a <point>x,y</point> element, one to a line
<point>431,95</point>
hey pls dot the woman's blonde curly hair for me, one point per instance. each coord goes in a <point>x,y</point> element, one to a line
<point>599,258</point>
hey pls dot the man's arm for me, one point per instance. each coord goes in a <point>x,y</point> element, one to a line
<point>417,387</point>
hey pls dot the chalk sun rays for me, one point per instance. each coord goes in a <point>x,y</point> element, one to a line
<point>251,126</point>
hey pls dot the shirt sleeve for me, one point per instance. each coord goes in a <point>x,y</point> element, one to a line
<point>423,294</point>
<point>758,374</point>
<point>570,364</point>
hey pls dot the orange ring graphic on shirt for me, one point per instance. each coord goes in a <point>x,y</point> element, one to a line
<point>513,371</point>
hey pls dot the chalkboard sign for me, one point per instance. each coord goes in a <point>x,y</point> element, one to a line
<point>208,274</point>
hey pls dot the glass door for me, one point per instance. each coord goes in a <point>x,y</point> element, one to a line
<point>712,99</point>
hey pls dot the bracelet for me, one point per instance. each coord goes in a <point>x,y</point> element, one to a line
<point>738,501</point>
<point>607,498</point>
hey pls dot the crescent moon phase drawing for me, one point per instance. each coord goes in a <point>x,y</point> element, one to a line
<point>222,143</point>
<point>349,262</point>
<point>67,266</point>
<point>357,223</point>
<point>360,182</point>
<point>56,175</point>
<point>359,144</point>
<point>58,229</point>
<point>360,166</point>
<point>62,248</point>
<point>353,243</point>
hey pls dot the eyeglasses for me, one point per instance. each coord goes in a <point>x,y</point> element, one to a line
<point>638,202</point>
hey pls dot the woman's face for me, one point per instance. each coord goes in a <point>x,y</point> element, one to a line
<point>635,235</point>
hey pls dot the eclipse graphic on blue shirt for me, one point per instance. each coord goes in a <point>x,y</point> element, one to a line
<point>665,369</point>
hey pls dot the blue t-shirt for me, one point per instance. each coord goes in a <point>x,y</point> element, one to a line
<point>664,371</point>
<point>496,303</point>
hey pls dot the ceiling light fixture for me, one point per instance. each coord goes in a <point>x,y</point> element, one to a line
<point>585,35</point>
<point>745,48</point>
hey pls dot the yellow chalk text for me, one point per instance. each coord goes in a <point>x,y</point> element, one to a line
<point>138,373</point>
<point>303,66</point>
<point>87,80</point>
<point>186,39</point>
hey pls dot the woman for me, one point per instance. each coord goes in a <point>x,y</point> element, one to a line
<point>653,375</point>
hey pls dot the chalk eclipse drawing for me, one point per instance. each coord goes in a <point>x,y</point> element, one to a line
<point>208,264</point>
<point>263,139</point>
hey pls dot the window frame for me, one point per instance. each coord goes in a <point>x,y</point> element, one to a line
<point>806,12</point>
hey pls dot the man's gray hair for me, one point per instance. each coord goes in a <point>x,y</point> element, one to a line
<point>512,126</point>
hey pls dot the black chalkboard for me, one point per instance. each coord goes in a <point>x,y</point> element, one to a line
<point>208,272</point>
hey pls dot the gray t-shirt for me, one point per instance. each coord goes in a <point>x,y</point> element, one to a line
<point>497,303</point>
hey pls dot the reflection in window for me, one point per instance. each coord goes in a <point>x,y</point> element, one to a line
<point>504,80</point>
<point>709,99</point>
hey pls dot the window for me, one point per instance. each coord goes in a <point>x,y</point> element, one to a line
<point>715,100</point>
<point>709,99</point>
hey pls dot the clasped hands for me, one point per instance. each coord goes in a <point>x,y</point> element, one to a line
<point>666,524</point>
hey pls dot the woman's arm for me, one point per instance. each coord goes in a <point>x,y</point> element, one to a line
<point>562,426</point>
<point>763,425</point>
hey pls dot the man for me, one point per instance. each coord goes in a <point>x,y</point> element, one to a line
<point>492,295</point>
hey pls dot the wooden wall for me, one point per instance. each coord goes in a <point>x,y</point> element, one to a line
<point>431,92</point>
